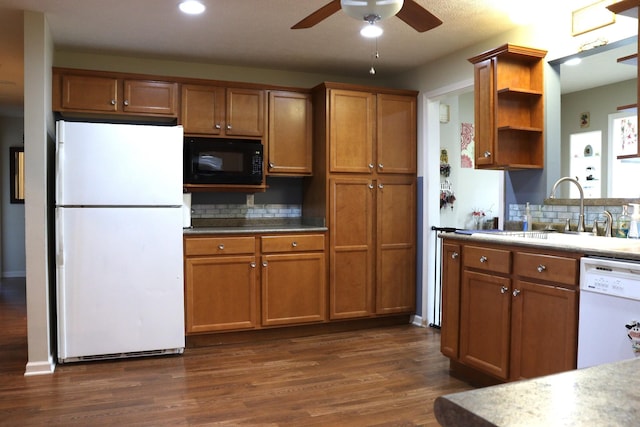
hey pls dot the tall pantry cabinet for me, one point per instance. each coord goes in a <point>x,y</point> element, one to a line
<point>365,188</point>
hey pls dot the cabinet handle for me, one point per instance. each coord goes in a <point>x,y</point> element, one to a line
<point>294,244</point>
<point>487,154</point>
<point>455,255</point>
<point>218,126</point>
<point>126,103</point>
<point>264,263</point>
<point>229,127</point>
<point>271,165</point>
<point>371,186</point>
<point>380,166</point>
<point>113,102</point>
<point>541,268</point>
<point>370,165</point>
<point>516,292</point>
<point>380,186</point>
<point>252,265</point>
<point>504,290</point>
<point>221,246</point>
<point>483,258</point>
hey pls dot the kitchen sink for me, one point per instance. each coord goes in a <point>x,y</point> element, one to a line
<point>586,240</point>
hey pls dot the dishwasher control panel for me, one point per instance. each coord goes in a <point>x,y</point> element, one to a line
<point>610,277</point>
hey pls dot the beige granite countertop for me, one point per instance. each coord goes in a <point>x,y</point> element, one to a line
<point>611,247</point>
<point>605,395</point>
<point>255,229</point>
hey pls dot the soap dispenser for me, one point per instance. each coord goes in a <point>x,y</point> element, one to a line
<point>623,222</point>
<point>527,218</point>
<point>635,220</point>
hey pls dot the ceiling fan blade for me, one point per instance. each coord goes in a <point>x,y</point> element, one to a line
<point>319,15</point>
<point>418,17</point>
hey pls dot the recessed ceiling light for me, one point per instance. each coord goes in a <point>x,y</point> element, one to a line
<point>192,7</point>
<point>371,31</point>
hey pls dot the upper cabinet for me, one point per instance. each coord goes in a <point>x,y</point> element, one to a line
<point>220,111</point>
<point>371,132</point>
<point>290,133</point>
<point>509,108</point>
<point>103,94</point>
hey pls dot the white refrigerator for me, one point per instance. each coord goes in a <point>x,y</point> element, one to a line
<point>119,264</point>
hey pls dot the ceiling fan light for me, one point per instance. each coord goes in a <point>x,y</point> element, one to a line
<point>371,31</point>
<point>192,7</point>
<point>360,9</point>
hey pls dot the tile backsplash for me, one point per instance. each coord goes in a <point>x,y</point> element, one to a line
<point>257,211</point>
<point>558,214</point>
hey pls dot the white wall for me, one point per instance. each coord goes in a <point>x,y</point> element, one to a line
<point>38,119</point>
<point>12,234</point>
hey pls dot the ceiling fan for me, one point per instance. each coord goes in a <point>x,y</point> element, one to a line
<point>375,10</point>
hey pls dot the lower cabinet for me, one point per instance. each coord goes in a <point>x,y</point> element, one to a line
<point>247,282</point>
<point>513,314</point>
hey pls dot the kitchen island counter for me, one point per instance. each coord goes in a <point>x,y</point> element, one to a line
<point>604,395</point>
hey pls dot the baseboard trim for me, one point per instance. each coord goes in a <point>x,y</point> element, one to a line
<point>40,368</point>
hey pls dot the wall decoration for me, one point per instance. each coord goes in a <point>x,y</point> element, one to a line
<point>467,145</point>
<point>445,167</point>
<point>16,173</point>
<point>584,119</point>
<point>625,135</point>
<point>592,17</point>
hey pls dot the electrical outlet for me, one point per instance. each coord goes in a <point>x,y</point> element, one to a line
<point>250,199</point>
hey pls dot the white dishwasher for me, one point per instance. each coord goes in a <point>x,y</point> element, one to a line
<point>609,311</point>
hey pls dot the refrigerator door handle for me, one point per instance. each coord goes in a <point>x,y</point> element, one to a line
<point>60,134</point>
<point>59,237</point>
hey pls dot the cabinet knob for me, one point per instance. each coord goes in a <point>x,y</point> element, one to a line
<point>217,126</point>
<point>380,186</point>
<point>371,165</point>
<point>271,165</point>
<point>487,154</point>
<point>371,186</point>
<point>516,292</point>
<point>483,258</point>
<point>455,255</point>
<point>113,102</point>
<point>264,263</point>
<point>221,246</point>
<point>294,244</point>
<point>380,166</point>
<point>541,268</point>
<point>229,127</point>
<point>252,265</point>
<point>126,102</point>
<point>504,290</point>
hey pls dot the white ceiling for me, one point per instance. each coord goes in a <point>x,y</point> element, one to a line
<point>247,33</point>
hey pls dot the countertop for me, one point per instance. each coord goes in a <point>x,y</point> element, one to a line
<point>255,229</point>
<point>611,247</point>
<point>604,395</point>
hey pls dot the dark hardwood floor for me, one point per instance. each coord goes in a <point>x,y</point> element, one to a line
<point>387,376</point>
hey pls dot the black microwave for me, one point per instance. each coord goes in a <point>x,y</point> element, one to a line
<point>222,161</point>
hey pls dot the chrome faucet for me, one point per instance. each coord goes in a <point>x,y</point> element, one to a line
<point>608,228</point>
<point>581,227</point>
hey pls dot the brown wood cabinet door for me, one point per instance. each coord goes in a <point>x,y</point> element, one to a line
<point>485,124</point>
<point>290,126</point>
<point>351,247</point>
<point>293,288</point>
<point>485,322</point>
<point>245,112</point>
<point>203,109</point>
<point>544,330</point>
<point>150,97</point>
<point>351,131</point>
<point>396,130</point>
<point>395,245</point>
<point>90,93</point>
<point>450,300</point>
<point>220,293</point>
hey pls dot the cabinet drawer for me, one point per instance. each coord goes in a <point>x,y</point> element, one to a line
<point>547,267</point>
<point>293,243</point>
<point>219,245</point>
<point>494,260</point>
